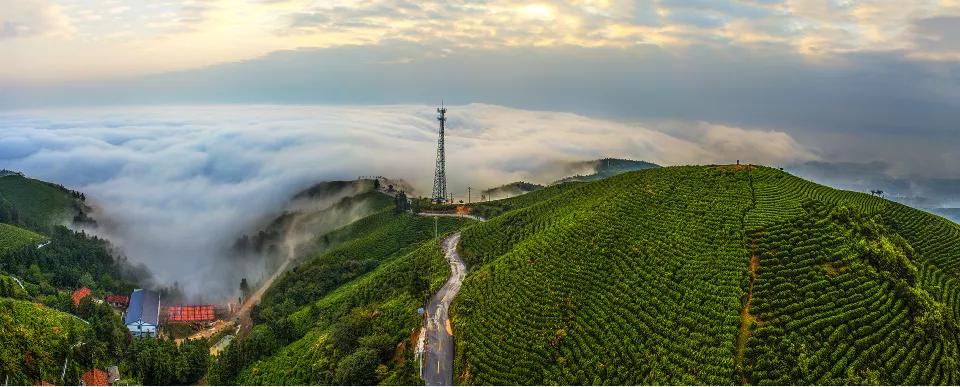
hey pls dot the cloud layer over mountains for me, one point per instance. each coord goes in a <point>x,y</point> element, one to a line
<point>180,183</point>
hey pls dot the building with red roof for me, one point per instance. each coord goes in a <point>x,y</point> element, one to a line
<point>118,300</point>
<point>79,294</point>
<point>190,313</point>
<point>95,377</point>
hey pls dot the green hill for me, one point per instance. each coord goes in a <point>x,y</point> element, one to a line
<point>37,205</point>
<point>708,275</point>
<point>345,314</point>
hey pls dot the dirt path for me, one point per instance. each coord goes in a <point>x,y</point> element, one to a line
<point>243,315</point>
<point>746,318</point>
<point>437,346</point>
<point>218,326</point>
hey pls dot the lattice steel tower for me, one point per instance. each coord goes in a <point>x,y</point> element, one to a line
<point>440,175</point>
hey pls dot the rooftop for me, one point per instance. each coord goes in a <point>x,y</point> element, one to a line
<point>144,305</point>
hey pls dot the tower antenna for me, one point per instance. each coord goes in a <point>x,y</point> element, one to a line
<point>440,175</point>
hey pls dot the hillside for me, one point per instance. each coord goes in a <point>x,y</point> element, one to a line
<point>345,314</point>
<point>41,271</point>
<point>707,275</point>
<point>37,205</point>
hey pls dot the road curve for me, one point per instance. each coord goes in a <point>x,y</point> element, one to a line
<point>438,345</point>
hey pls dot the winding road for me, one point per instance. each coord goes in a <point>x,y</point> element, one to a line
<point>438,343</point>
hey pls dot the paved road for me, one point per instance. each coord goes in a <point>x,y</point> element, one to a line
<point>438,348</point>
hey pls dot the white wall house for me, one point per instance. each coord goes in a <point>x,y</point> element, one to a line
<point>143,314</point>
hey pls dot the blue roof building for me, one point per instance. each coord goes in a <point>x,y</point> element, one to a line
<point>143,314</point>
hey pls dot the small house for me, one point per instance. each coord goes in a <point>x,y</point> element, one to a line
<point>118,300</point>
<point>143,315</point>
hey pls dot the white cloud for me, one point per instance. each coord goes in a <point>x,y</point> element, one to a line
<point>167,36</point>
<point>27,18</point>
<point>183,182</point>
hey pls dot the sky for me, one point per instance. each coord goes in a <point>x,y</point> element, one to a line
<point>168,108</point>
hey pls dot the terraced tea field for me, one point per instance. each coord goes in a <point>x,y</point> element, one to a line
<point>647,278</point>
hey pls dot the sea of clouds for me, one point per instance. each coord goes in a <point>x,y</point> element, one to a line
<point>178,184</point>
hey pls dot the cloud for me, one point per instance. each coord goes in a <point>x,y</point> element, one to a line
<point>922,192</point>
<point>181,183</point>
<point>938,37</point>
<point>174,35</point>
<point>28,18</point>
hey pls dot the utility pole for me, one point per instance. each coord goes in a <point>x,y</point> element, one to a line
<point>63,373</point>
<point>468,195</point>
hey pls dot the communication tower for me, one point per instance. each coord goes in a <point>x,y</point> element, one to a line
<point>440,175</point>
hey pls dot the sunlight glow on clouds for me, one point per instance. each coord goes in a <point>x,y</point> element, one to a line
<point>89,38</point>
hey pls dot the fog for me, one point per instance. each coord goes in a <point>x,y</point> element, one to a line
<point>178,185</point>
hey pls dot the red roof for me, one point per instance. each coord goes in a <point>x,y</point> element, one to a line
<point>118,299</point>
<point>79,294</point>
<point>190,313</point>
<point>95,377</point>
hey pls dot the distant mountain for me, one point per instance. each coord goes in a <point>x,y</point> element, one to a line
<point>949,213</point>
<point>509,190</point>
<point>603,168</point>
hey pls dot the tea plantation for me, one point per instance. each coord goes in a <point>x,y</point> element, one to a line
<point>707,275</point>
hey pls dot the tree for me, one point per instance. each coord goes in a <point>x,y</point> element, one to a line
<point>401,204</point>
<point>244,287</point>
<point>358,368</point>
<point>86,280</point>
<point>192,361</point>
